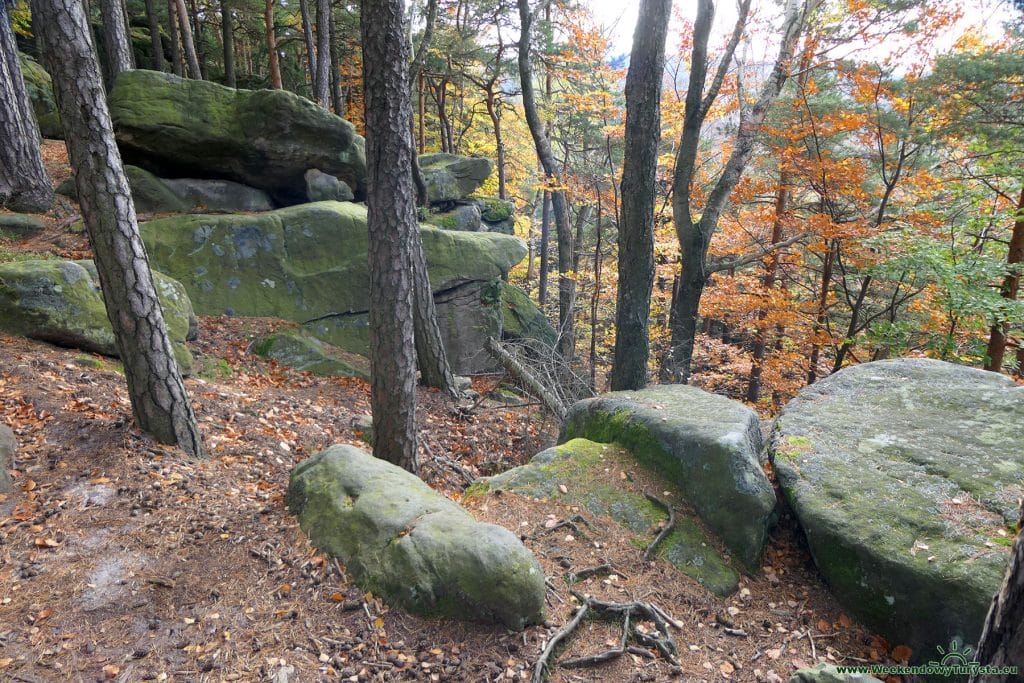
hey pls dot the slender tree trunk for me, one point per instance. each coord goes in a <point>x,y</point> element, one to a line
<point>323,53</point>
<point>499,143</point>
<point>115,32</point>
<point>767,285</point>
<point>188,45</point>
<point>1011,285</point>
<point>1002,638</point>
<point>821,315</point>
<point>227,28</point>
<point>421,115</point>
<point>157,392</point>
<point>639,169</point>
<point>24,185</point>
<point>311,55</point>
<point>198,42</point>
<point>336,96</point>
<point>566,284</point>
<point>177,62</point>
<point>685,310</point>
<point>431,356</point>
<point>273,61</point>
<point>391,203</point>
<point>545,247</point>
<point>154,36</point>
<point>595,300</point>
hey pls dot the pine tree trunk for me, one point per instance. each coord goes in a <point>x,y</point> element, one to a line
<point>432,358</point>
<point>684,314</point>
<point>1011,285</point>
<point>24,185</point>
<point>157,393</point>
<point>545,250</point>
<point>307,36</point>
<point>177,63</point>
<point>188,45</point>
<point>154,36</point>
<point>337,99</point>
<point>323,54</point>
<point>391,205</point>
<point>118,49</point>
<point>636,232</point>
<point>227,31</point>
<point>273,61</point>
<point>1002,638</point>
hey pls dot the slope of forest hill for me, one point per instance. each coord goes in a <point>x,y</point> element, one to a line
<point>122,560</point>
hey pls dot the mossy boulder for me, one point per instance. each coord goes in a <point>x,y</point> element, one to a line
<point>707,445</point>
<point>411,545</point>
<point>497,215</point>
<point>305,352</point>
<point>8,446</point>
<point>60,302</point>
<point>309,264</point>
<point>40,93</point>
<point>266,139</point>
<point>905,476</point>
<point>464,217</point>
<point>20,225</point>
<point>589,473</point>
<point>322,187</point>
<point>521,319</point>
<point>450,178</point>
<point>829,673</point>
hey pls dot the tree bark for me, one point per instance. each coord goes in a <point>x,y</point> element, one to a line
<point>1009,289</point>
<point>273,62</point>
<point>157,393</point>
<point>1002,638</point>
<point>431,355</point>
<point>227,31</point>
<point>115,34</point>
<point>24,185</point>
<point>154,36</point>
<point>188,45</point>
<point>566,284</point>
<point>177,63</point>
<point>391,205</point>
<point>323,54</point>
<point>545,250</point>
<point>639,169</point>
<point>311,55</point>
<point>336,97</point>
<point>695,236</point>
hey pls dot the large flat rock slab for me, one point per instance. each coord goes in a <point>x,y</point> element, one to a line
<point>587,474</point>
<point>708,445</point>
<point>418,549</point>
<point>906,475</point>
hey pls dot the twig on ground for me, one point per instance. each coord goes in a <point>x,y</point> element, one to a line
<point>575,577</point>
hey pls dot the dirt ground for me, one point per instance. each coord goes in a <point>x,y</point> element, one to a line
<point>121,559</point>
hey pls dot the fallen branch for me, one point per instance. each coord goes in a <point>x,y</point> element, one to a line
<point>517,370</point>
<point>575,577</point>
<point>542,663</point>
<point>665,530</point>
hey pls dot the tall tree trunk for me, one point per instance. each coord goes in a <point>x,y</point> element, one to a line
<point>1011,285</point>
<point>566,284</point>
<point>1002,637</point>
<point>322,87</point>
<point>273,60</point>
<point>431,356</point>
<point>767,285</point>
<point>391,204</point>
<point>595,299</point>
<point>227,30</point>
<point>821,314</point>
<point>639,169</point>
<point>198,42</point>
<point>336,97</point>
<point>177,61</point>
<point>695,235</point>
<point>157,392</point>
<point>115,34</point>
<point>24,185</point>
<point>188,45</point>
<point>545,250</point>
<point>154,36</point>
<point>499,142</point>
<point>307,35</point>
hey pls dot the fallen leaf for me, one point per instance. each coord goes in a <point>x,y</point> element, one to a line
<point>727,668</point>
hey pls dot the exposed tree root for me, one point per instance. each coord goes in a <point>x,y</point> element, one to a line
<point>666,530</point>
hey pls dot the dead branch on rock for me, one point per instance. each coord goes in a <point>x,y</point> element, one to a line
<point>665,530</point>
<point>543,372</point>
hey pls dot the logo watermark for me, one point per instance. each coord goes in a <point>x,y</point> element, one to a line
<point>957,661</point>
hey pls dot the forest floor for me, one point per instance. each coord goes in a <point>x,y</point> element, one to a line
<point>121,559</point>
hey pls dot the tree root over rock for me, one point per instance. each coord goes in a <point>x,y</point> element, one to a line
<point>629,612</point>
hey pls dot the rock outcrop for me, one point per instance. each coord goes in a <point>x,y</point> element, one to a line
<point>413,546</point>
<point>707,445</point>
<point>451,178</point>
<point>266,139</point>
<point>308,264</point>
<point>8,446</point>
<point>60,302</point>
<point>20,225</point>
<point>587,474</point>
<point>40,93</point>
<point>905,476</point>
<point>305,352</point>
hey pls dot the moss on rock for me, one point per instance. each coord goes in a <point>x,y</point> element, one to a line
<point>302,351</point>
